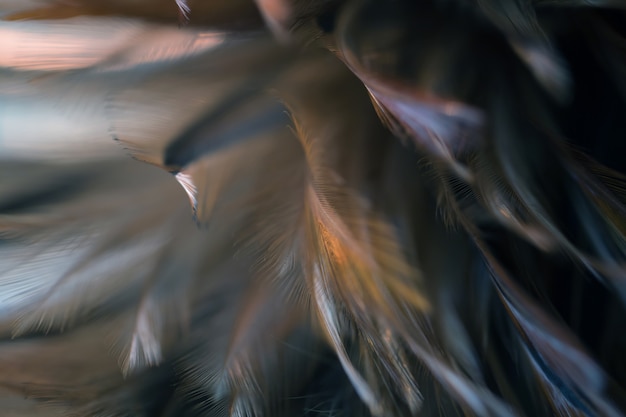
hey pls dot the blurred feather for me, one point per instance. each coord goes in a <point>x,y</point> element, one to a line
<point>240,13</point>
<point>299,208</point>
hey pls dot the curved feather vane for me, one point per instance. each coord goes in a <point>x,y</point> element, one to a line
<point>312,208</point>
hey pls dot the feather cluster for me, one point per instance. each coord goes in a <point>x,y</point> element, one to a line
<point>312,208</point>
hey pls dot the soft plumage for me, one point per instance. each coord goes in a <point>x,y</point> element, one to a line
<point>300,208</point>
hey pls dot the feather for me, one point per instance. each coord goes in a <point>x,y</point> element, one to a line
<point>239,13</point>
<point>397,208</point>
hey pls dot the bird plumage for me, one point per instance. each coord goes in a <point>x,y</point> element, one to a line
<point>301,208</point>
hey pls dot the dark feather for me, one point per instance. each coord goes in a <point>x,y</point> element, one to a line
<point>398,208</point>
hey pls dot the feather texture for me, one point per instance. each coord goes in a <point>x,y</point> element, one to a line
<point>312,208</point>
